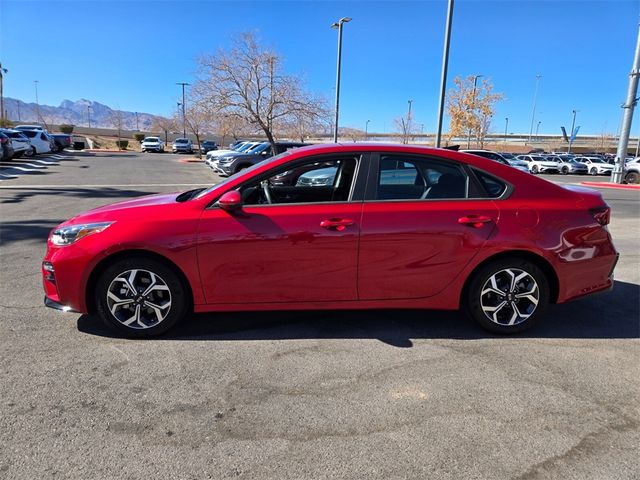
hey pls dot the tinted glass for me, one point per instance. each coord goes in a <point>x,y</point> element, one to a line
<point>30,133</point>
<point>494,187</point>
<point>411,178</point>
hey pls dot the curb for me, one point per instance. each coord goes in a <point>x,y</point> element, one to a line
<point>97,150</point>
<point>611,185</point>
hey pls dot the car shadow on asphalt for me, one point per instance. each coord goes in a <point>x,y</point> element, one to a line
<point>611,315</point>
<point>21,193</point>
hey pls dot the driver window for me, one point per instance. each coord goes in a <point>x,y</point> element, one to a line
<point>317,180</point>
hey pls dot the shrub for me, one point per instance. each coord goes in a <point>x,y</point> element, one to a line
<point>139,137</point>
<point>122,144</point>
<point>65,128</point>
<point>6,123</point>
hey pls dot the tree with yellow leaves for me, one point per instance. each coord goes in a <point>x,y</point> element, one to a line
<point>471,106</point>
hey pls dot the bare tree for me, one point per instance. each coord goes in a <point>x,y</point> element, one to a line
<point>231,125</point>
<point>117,121</point>
<point>471,108</point>
<point>354,134</point>
<point>197,121</point>
<point>163,124</point>
<point>247,82</point>
<point>405,126</point>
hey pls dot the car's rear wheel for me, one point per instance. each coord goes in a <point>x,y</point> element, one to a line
<point>534,169</point>
<point>593,171</point>
<point>632,177</point>
<point>30,152</point>
<point>140,297</point>
<point>507,296</point>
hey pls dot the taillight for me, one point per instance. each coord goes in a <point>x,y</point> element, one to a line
<point>602,215</point>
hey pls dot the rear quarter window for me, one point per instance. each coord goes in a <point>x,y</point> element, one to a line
<point>493,186</point>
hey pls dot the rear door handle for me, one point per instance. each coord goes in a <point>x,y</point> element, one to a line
<point>475,221</point>
<point>338,224</point>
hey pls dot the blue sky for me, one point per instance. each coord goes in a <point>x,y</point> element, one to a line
<point>129,55</point>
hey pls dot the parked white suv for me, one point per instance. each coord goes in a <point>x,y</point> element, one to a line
<point>182,145</point>
<point>632,172</point>
<point>517,164</point>
<point>40,141</point>
<point>152,144</point>
<point>19,141</point>
<point>596,165</point>
<point>539,164</point>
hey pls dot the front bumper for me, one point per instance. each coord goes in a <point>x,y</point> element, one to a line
<point>48,302</point>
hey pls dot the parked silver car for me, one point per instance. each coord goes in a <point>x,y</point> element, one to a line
<point>568,164</point>
<point>19,141</point>
<point>182,145</point>
<point>152,144</point>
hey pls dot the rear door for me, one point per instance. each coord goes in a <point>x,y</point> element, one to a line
<point>420,226</point>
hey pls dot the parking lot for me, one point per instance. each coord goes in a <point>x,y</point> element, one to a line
<point>384,394</point>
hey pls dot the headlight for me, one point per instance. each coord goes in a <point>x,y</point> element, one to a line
<point>72,233</point>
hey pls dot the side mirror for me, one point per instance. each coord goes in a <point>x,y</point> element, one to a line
<point>231,201</point>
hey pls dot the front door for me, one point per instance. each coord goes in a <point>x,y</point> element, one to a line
<point>295,240</point>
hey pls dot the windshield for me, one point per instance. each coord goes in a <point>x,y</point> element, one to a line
<point>182,140</point>
<point>245,146</point>
<point>242,172</point>
<point>152,139</point>
<point>259,148</point>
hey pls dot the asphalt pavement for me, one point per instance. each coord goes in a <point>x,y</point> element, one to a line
<point>302,395</point>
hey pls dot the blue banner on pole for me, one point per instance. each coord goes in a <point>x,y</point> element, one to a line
<point>575,133</point>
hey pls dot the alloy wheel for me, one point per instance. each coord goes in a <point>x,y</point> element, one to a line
<point>139,299</point>
<point>509,296</point>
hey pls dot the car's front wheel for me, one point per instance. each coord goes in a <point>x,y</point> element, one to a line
<point>140,297</point>
<point>534,169</point>
<point>507,296</point>
<point>593,171</point>
<point>30,152</point>
<point>565,170</point>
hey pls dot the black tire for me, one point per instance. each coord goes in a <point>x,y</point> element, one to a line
<point>179,302</point>
<point>472,298</point>
<point>240,168</point>
<point>31,152</point>
<point>593,172</point>
<point>18,155</point>
<point>632,177</point>
<point>565,170</point>
<point>534,169</point>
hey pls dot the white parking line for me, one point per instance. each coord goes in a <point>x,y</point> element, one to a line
<point>16,167</point>
<point>6,176</point>
<point>46,163</point>
<point>28,165</point>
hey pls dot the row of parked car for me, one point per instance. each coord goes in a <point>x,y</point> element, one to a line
<point>30,140</point>
<point>179,145</point>
<point>564,163</point>
<point>244,154</point>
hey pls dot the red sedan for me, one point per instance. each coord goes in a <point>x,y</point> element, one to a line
<point>376,226</point>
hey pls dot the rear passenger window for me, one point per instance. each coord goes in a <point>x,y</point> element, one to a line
<point>411,178</point>
<point>494,187</point>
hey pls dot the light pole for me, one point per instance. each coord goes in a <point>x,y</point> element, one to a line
<point>35,82</point>
<point>443,74</point>
<point>537,128</point>
<point>506,127</point>
<point>573,124</point>
<point>535,100</point>
<point>408,125</point>
<point>473,105</point>
<point>89,115</point>
<point>338,25</point>
<point>184,122</point>
<point>137,124</point>
<point>366,130</point>
<point>2,72</point>
<point>617,176</point>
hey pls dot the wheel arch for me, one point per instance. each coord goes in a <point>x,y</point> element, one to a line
<point>541,262</point>
<point>121,255</point>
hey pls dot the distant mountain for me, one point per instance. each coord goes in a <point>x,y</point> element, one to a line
<point>75,113</point>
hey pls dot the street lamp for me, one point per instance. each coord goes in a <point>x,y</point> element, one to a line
<point>366,130</point>
<point>473,104</point>
<point>89,115</point>
<point>443,73</point>
<point>538,128</point>
<point>535,99</point>
<point>506,127</point>
<point>573,124</point>
<point>184,127</point>
<point>338,25</point>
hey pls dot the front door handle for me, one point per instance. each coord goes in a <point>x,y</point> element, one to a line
<point>475,221</point>
<point>338,224</point>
